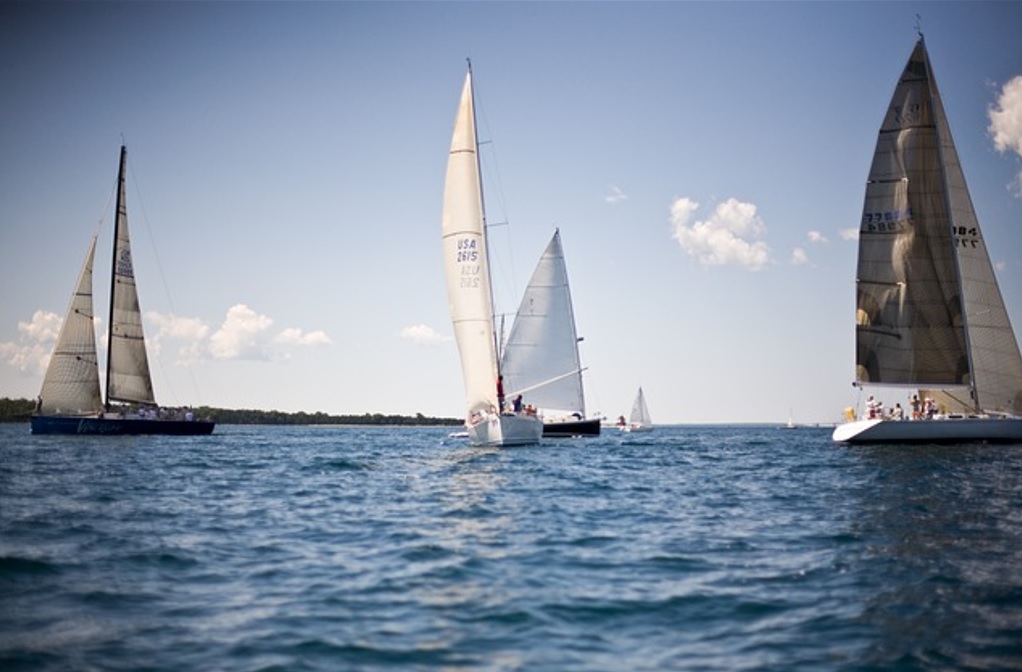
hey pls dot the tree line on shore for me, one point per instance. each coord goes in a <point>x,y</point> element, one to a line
<point>20,410</point>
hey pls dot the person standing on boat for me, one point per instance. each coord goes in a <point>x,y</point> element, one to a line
<point>874,409</point>
<point>916,407</point>
<point>500,393</point>
<point>517,404</point>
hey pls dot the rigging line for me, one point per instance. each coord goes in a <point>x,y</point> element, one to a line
<point>163,280</point>
<point>493,176</point>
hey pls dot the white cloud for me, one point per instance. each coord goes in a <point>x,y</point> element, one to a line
<point>615,196</point>
<point>243,335</point>
<point>191,332</point>
<point>849,234</point>
<point>1006,123</point>
<point>423,334</point>
<point>817,237</point>
<point>799,257</point>
<point>292,336</point>
<point>727,237</point>
<point>31,353</point>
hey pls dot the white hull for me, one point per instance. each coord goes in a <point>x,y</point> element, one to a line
<point>635,428</point>
<point>939,430</point>
<point>520,429</point>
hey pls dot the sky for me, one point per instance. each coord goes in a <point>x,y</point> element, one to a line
<point>704,162</point>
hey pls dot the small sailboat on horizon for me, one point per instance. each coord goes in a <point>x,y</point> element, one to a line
<point>71,401</point>
<point>930,317</point>
<point>639,419</point>
<point>489,421</point>
<point>541,358</point>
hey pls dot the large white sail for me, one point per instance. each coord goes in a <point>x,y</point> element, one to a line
<point>71,383</point>
<point>465,262</point>
<point>541,353</point>
<point>127,367</point>
<point>929,312</point>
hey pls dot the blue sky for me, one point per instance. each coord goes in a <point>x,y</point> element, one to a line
<point>287,164</point>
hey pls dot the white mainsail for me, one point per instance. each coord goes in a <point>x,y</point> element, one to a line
<point>128,376</point>
<point>466,264</point>
<point>929,311</point>
<point>71,383</point>
<point>541,354</point>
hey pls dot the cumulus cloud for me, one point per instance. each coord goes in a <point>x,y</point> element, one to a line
<point>423,334</point>
<point>615,196</point>
<point>1006,123</point>
<point>817,238</point>
<point>799,257</point>
<point>31,353</point>
<point>849,234</point>
<point>294,336</point>
<point>245,334</point>
<point>188,333</point>
<point>728,236</point>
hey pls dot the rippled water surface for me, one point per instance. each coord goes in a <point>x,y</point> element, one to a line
<point>341,548</point>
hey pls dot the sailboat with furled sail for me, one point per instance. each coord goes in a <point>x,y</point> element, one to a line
<point>541,356</point>
<point>489,422</point>
<point>930,318</point>
<point>70,401</point>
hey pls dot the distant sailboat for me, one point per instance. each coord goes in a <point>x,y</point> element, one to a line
<point>70,401</point>
<point>929,313</point>
<point>541,357</point>
<point>639,419</point>
<point>470,301</point>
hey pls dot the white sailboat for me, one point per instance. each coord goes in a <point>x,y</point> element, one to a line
<point>470,300</point>
<point>639,419</point>
<point>70,401</point>
<point>930,318</point>
<point>541,358</point>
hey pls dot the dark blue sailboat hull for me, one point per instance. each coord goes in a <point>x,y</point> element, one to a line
<point>58,424</point>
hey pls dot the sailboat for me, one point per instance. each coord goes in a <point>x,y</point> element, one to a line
<point>70,401</point>
<point>639,419</point>
<point>929,314</point>
<point>541,357</point>
<point>489,421</point>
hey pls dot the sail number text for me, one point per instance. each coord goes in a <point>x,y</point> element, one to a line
<point>889,221</point>
<point>468,259</point>
<point>966,236</point>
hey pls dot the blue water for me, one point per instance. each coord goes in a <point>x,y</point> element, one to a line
<point>332,548</point>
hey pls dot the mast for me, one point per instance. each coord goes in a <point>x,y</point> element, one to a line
<point>486,237</point>
<point>119,211</point>
<point>937,110</point>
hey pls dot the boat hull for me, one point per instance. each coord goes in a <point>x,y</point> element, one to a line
<point>519,429</point>
<point>570,428</point>
<point>62,424</point>
<point>940,430</point>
